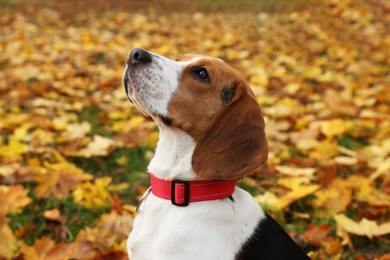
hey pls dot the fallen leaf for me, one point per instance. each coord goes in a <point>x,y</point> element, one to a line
<point>335,127</point>
<point>315,235</point>
<point>98,147</point>
<point>295,194</point>
<point>345,160</point>
<point>9,244</point>
<point>59,179</point>
<point>13,199</point>
<point>335,198</point>
<point>294,171</point>
<point>365,227</point>
<point>93,194</point>
<point>332,247</point>
<point>45,248</point>
<point>119,224</point>
<point>54,215</point>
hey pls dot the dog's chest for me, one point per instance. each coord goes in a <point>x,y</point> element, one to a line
<point>205,230</point>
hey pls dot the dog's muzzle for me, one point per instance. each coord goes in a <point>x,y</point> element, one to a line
<point>136,56</point>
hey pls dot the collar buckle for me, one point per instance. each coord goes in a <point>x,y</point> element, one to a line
<point>182,185</point>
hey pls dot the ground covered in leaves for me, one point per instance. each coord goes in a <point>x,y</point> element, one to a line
<point>73,151</point>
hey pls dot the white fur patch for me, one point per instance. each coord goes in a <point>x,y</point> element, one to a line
<point>206,230</point>
<point>173,156</point>
<point>151,85</point>
<point>202,230</point>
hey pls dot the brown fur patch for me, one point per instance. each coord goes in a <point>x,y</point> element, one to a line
<point>194,105</point>
<point>230,135</point>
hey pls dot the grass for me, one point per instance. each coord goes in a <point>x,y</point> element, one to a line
<point>31,223</point>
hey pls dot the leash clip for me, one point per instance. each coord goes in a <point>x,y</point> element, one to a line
<point>146,194</point>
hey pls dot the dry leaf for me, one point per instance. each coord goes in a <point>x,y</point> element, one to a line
<point>93,195</point>
<point>335,127</point>
<point>98,147</point>
<point>59,179</point>
<point>54,215</point>
<point>9,244</point>
<point>13,199</point>
<point>294,171</point>
<point>119,225</point>
<point>365,227</point>
<point>45,248</point>
<point>315,235</point>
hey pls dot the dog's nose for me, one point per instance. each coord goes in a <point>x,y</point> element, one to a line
<point>139,55</point>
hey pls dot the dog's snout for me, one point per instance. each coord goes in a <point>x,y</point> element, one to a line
<point>139,55</point>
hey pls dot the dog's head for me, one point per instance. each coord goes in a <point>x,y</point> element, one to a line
<point>207,99</point>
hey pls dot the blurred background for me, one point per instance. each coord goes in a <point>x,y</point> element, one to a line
<point>73,151</point>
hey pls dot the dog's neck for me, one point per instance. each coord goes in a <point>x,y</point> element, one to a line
<point>173,155</point>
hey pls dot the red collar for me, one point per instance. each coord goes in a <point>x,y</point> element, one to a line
<point>181,193</point>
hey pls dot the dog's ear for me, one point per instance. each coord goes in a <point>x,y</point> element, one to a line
<point>234,145</point>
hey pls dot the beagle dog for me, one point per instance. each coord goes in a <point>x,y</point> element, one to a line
<point>211,132</point>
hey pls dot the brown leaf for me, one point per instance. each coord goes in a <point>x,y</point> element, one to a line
<point>117,255</point>
<point>315,235</point>
<point>118,224</point>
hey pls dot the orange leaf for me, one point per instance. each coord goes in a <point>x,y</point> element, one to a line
<point>9,244</point>
<point>59,179</point>
<point>13,199</point>
<point>45,248</point>
<point>54,215</point>
<point>315,235</point>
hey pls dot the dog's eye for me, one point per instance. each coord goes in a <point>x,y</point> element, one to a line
<point>201,73</point>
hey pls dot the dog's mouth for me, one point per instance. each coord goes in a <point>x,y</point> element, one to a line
<point>148,88</point>
<point>130,87</point>
<point>126,81</point>
<point>131,92</point>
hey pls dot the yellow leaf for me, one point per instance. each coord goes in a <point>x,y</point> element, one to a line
<point>335,198</point>
<point>59,179</point>
<point>98,147</point>
<point>9,169</point>
<point>345,160</point>
<point>13,150</point>
<point>9,244</point>
<point>40,137</point>
<point>365,227</point>
<point>93,195</point>
<point>324,150</point>
<point>21,132</point>
<point>266,198</point>
<point>335,127</point>
<point>297,193</point>
<point>122,160</point>
<point>60,124</point>
<point>294,171</point>
<point>74,131</point>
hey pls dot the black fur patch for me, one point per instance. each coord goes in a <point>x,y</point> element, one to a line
<point>226,95</point>
<point>166,120</point>
<point>270,242</point>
